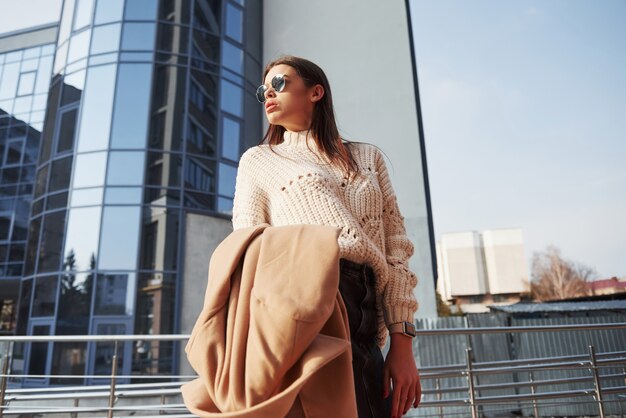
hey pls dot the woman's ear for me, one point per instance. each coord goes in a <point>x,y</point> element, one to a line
<point>317,92</point>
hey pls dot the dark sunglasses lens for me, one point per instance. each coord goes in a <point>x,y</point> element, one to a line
<point>260,94</point>
<point>278,82</point>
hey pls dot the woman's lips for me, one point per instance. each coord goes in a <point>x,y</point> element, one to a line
<point>270,108</point>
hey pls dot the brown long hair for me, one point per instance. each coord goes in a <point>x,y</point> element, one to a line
<point>323,126</point>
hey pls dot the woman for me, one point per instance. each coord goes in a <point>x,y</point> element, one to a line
<point>303,172</point>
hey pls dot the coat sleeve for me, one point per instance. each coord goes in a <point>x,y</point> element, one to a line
<point>399,302</point>
<point>250,201</point>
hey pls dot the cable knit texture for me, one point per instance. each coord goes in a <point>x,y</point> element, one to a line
<point>300,186</point>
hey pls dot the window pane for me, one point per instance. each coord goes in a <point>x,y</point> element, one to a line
<point>60,174</point>
<point>231,98</point>
<point>141,10</point>
<point>230,139</point>
<point>138,36</point>
<point>26,83</point>
<point>8,83</point>
<point>106,38</point>
<point>87,197</point>
<point>67,131</point>
<point>96,112</point>
<point>227,179</point>
<point>81,242</point>
<point>233,57</point>
<point>123,195</point>
<point>234,22</point>
<point>89,169</point>
<point>73,86</point>
<point>44,300</point>
<point>126,168</point>
<point>43,75</point>
<point>66,20</point>
<point>79,46</point>
<point>130,118</point>
<point>84,9</point>
<point>51,242</point>
<point>120,237</point>
<point>114,294</point>
<point>109,11</point>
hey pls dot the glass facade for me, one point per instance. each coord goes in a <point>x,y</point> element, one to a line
<point>144,107</point>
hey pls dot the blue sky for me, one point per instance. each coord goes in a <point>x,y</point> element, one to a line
<point>523,105</point>
<point>524,109</point>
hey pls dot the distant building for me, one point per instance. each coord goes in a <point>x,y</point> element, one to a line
<point>477,269</point>
<point>607,286</point>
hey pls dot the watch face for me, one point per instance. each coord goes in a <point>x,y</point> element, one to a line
<point>410,329</point>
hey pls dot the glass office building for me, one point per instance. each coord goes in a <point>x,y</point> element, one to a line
<point>130,116</point>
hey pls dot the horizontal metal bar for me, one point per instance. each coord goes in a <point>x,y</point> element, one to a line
<point>438,331</point>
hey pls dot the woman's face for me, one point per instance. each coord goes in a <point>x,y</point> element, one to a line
<point>291,108</point>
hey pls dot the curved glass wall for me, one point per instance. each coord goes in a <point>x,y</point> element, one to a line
<point>144,122</point>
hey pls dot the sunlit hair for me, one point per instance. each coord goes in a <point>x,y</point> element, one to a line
<point>323,126</point>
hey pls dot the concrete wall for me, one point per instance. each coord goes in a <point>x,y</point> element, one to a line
<point>363,47</point>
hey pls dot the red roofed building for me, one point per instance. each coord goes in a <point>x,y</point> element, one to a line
<point>607,286</point>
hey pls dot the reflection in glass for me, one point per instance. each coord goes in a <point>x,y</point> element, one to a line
<point>234,22</point>
<point>154,315</point>
<point>106,38</point>
<point>200,174</point>
<point>45,297</point>
<point>141,10</point>
<point>60,174</point>
<point>96,111</point>
<point>104,351</point>
<point>115,294</point>
<point>109,11</point>
<point>138,36</point>
<point>227,179</point>
<point>39,351</point>
<point>120,238</point>
<point>158,238</point>
<point>67,131</point>
<point>73,86</point>
<point>207,15</point>
<point>69,359</point>
<point>31,248</point>
<point>86,197</point>
<point>130,117</point>
<point>231,139</point>
<point>81,242</point>
<point>89,169</point>
<point>232,57</point>
<point>126,168</point>
<point>61,57</point>
<point>51,242</point>
<point>231,98</point>
<point>79,46</point>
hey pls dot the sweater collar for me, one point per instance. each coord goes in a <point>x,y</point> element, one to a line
<point>299,139</point>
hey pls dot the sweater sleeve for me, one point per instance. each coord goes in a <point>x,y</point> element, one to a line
<point>399,302</point>
<point>250,203</point>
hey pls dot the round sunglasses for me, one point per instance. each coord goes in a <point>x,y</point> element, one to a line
<point>278,83</point>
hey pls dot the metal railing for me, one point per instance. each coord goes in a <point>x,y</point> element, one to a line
<point>150,399</point>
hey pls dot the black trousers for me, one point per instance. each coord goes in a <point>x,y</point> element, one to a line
<point>356,285</point>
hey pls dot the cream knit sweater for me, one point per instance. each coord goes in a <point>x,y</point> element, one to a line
<point>300,186</point>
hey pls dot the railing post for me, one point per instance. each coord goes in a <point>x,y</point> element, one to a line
<point>596,380</point>
<point>113,373</point>
<point>470,381</point>
<point>438,386</point>
<point>532,391</point>
<point>5,372</point>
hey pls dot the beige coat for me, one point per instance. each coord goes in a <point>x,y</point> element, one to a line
<point>273,329</point>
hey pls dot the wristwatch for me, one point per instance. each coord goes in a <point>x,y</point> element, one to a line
<point>405,327</point>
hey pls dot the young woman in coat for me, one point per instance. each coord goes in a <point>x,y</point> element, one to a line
<point>303,171</point>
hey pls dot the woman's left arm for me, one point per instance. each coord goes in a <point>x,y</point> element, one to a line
<point>399,302</point>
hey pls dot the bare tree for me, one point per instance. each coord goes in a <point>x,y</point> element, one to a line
<point>554,278</point>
